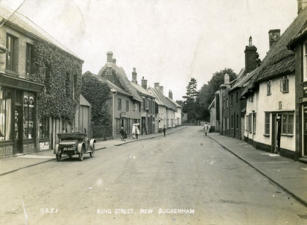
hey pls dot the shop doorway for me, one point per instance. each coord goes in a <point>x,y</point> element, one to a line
<point>18,124</point>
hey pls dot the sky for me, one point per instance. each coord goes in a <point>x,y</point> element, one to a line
<point>168,41</point>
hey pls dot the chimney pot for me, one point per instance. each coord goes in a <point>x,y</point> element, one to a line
<point>157,85</point>
<point>144,83</point>
<point>161,89</point>
<point>110,56</point>
<point>114,61</point>
<point>170,94</point>
<point>251,56</point>
<point>226,78</point>
<point>134,76</point>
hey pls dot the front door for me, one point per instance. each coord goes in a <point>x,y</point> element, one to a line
<point>18,124</point>
<point>276,131</point>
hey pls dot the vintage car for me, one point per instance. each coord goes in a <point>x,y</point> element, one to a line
<point>75,143</point>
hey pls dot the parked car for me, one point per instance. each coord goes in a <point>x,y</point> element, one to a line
<point>75,143</point>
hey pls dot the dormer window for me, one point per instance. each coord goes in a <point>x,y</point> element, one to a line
<point>284,84</point>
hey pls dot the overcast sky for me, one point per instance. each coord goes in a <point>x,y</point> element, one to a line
<point>168,41</point>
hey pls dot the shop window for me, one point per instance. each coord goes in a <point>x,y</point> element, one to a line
<point>284,85</point>
<point>12,53</point>
<point>268,88</point>
<point>28,115</point>
<point>267,123</point>
<point>44,128</point>
<point>287,123</point>
<point>29,59</point>
<point>5,114</point>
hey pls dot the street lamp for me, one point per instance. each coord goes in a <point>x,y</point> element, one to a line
<point>113,111</point>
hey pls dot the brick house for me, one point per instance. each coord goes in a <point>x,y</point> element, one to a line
<point>125,102</point>
<point>25,78</point>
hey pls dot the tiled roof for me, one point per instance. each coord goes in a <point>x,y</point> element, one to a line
<point>111,85</point>
<point>29,27</point>
<point>157,99</point>
<point>280,60</point>
<point>122,78</point>
<point>158,94</point>
<point>142,90</point>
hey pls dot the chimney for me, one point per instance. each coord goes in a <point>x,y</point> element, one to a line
<point>301,5</point>
<point>114,61</point>
<point>226,78</point>
<point>157,86</point>
<point>170,94</point>
<point>251,56</point>
<point>161,89</point>
<point>109,57</point>
<point>134,76</point>
<point>274,36</point>
<point>144,83</point>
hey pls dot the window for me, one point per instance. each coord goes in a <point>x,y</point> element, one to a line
<point>284,85</point>
<point>268,88</point>
<point>28,115</point>
<point>119,104</point>
<point>249,123</point>
<point>267,123</point>
<point>254,123</point>
<point>29,59</point>
<point>44,128</point>
<point>287,123</point>
<point>5,114</point>
<point>237,121</point>
<point>127,106</point>
<point>12,53</point>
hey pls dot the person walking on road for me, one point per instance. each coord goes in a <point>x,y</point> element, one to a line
<point>164,131</point>
<point>123,134</point>
<point>206,128</point>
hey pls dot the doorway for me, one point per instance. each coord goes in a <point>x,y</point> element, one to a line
<point>18,124</point>
<point>276,132</point>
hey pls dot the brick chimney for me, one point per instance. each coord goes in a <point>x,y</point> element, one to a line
<point>157,86</point>
<point>144,83</point>
<point>114,61</point>
<point>109,57</point>
<point>251,56</point>
<point>301,5</point>
<point>170,94</point>
<point>274,36</point>
<point>134,76</point>
<point>161,89</point>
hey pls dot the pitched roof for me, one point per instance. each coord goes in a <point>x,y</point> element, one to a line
<point>142,90</point>
<point>157,99</point>
<point>280,60</point>
<point>28,27</point>
<point>122,78</point>
<point>158,94</point>
<point>111,85</point>
<point>239,80</point>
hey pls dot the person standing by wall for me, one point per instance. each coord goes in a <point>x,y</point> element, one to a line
<point>164,131</point>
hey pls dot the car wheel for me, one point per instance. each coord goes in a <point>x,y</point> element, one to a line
<point>58,157</point>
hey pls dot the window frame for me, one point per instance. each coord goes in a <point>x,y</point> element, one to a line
<point>267,124</point>
<point>11,53</point>
<point>119,104</point>
<point>284,84</point>
<point>287,128</point>
<point>269,88</point>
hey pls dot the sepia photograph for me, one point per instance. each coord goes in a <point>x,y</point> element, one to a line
<point>153,112</point>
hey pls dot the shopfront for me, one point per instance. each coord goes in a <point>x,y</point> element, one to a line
<point>18,115</point>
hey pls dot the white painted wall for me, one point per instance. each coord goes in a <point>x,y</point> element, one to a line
<point>263,103</point>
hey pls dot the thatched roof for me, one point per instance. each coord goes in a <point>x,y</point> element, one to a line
<point>121,76</point>
<point>164,100</point>
<point>142,91</point>
<point>280,60</point>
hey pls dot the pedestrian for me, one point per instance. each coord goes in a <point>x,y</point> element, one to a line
<point>206,128</point>
<point>137,131</point>
<point>164,130</point>
<point>122,134</point>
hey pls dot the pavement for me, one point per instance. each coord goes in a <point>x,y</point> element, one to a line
<point>288,174</point>
<point>22,161</point>
<point>184,178</point>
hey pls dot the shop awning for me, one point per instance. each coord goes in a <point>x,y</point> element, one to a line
<point>20,83</point>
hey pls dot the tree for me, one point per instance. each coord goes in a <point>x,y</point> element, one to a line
<point>191,103</point>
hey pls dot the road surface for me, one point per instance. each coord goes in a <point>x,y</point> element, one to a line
<point>183,178</point>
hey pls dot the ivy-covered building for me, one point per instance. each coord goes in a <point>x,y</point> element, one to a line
<point>40,83</point>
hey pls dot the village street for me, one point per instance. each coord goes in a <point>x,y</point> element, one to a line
<point>183,178</point>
